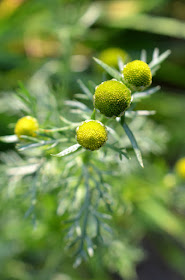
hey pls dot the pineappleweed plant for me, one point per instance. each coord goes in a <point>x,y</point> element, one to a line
<point>105,110</point>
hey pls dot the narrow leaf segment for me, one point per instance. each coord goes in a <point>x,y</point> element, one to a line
<point>134,144</point>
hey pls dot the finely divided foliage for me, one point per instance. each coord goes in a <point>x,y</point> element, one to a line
<point>86,143</point>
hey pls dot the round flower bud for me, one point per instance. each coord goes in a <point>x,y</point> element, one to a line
<point>91,135</point>
<point>112,98</point>
<point>137,75</point>
<point>26,126</point>
<point>110,56</point>
<point>180,168</point>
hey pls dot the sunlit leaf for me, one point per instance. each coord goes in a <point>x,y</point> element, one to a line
<point>111,71</point>
<point>9,138</point>
<point>134,144</point>
<point>30,138</point>
<point>68,151</point>
<point>158,60</point>
<point>90,249</point>
<point>81,96</point>
<point>131,114</point>
<point>118,150</point>
<point>113,132</point>
<point>77,104</point>
<point>85,89</point>
<point>144,56</point>
<point>155,54</point>
<point>34,145</point>
<point>23,170</point>
<point>120,64</point>
<point>138,95</point>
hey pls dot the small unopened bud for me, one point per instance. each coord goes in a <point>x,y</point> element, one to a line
<point>112,98</point>
<point>26,126</point>
<point>137,75</point>
<point>91,135</point>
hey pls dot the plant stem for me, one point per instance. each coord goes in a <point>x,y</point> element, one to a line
<point>93,116</point>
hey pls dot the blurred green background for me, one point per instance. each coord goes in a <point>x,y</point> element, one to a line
<point>52,42</point>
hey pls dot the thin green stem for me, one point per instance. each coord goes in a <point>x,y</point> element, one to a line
<point>93,116</point>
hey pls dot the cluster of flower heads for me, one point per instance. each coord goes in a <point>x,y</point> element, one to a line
<point>111,98</point>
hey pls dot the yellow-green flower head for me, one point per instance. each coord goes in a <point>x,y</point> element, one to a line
<point>180,168</point>
<point>91,135</point>
<point>137,75</point>
<point>26,126</point>
<point>112,98</point>
<point>110,56</point>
